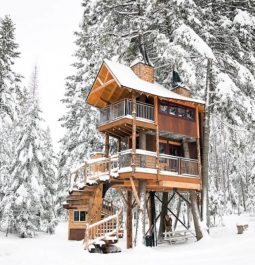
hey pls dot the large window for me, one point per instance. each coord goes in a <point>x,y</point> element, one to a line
<point>79,216</point>
<point>177,110</point>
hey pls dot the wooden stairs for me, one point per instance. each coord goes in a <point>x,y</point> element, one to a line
<point>106,232</point>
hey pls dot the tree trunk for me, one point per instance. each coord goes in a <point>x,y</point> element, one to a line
<point>129,220</point>
<point>178,213</point>
<point>140,237</point>
<point>195,214</point>
<point>162,215</point>
<point>205,159</point>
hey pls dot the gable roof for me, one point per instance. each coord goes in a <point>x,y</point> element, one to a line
<point>127,78</point>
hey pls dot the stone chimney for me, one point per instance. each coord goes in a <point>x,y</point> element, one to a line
<point>143,71</point>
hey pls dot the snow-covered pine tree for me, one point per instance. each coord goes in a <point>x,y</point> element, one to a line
<point>9,94</point>
<point>9,80</point>
<point>28,202</point>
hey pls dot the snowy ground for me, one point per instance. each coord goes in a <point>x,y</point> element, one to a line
<point>223,246</point>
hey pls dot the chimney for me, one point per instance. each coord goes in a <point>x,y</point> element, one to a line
<point>143,70</point>
<point>179,87</point>
<point>182,91</point>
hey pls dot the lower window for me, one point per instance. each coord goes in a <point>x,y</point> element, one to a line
<point>79,216</point>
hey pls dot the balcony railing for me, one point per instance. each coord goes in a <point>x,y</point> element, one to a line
<point>123,108</point>
<point>148,160</point>
<point>144,161</point>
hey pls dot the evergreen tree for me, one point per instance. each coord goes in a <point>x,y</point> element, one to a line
<point>28,203</point>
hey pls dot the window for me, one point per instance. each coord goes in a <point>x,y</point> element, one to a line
<point>163,107</point>
<point>177,110</point>
<point>190,114</point>
<point>173,110</point>
<point>79,216</point>
<point>181,112</point>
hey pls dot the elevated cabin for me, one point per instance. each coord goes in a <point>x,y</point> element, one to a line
<point>158,130</point>
<point>159,134</point>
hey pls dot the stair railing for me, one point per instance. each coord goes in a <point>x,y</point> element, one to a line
<point>109,226</point>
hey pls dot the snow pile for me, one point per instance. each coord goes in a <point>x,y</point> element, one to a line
<point>224,246</point>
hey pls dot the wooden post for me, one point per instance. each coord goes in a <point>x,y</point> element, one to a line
<point>133,131</point>
<point>119,145</point>
<point>199,152</point>
<point>157,134</point>
<point>106,145</point>
<point>129,220</point>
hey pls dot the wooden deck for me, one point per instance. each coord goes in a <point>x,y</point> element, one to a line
<point>173,171</point>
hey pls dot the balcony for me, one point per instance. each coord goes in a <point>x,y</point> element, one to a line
<point>145,162</point>
<point>123,108</point>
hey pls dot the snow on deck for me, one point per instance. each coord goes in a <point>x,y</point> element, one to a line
<point>224,246</point>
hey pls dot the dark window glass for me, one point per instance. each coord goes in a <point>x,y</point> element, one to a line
<point>173,110</point>
<point>190,114</point>
<point>181,112</point>
<point>162,148</point>
<point>82,216</point>
<point>76,216</point>
<point>163,108</point>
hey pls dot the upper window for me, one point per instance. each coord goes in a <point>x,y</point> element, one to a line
<point>177,110</point>
<point>79,216</point>
<point>163,107</point>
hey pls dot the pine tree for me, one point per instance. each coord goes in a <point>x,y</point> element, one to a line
<point>8,78</point>
<point>28,203</point>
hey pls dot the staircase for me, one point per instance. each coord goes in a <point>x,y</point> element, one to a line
<point>106,231</point>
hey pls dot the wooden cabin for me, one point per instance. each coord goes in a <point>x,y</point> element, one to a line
<point>159,135</point>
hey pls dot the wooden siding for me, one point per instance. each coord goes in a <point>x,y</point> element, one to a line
<point>76,234</point>
<point>177,125</point>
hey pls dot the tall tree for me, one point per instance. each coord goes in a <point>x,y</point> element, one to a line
<point>28,205</point>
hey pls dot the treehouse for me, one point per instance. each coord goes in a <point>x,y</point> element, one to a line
<point>159,136</point>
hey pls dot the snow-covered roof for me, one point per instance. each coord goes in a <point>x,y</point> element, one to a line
<point>127,78</point>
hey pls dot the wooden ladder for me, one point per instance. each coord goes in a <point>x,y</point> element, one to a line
<point>103,229</point>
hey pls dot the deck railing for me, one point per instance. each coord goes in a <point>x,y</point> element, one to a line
<point>124,108</point>
<point>102,168</point>
<point>148,160</point>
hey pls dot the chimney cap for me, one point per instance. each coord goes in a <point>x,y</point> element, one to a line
<point>177,82</point>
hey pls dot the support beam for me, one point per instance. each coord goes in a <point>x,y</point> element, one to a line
<point>134,191</point>
<point>133,131</point>
<point>157,133</point>
<point>106,145</point>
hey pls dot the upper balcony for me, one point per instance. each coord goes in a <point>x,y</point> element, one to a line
<point>120,113</point>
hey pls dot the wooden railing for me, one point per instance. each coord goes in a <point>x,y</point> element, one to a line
<point>102,168</point>
<point>124,108</point>
<point>146,159</point>
<point>108,208</point>
<point>103,229</point>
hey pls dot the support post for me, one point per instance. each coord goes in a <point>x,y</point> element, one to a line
<point>129,220</point>
<point>119,145</point>
<point>133,131</point>
<point>106,148</point>
<point>157,134</point>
